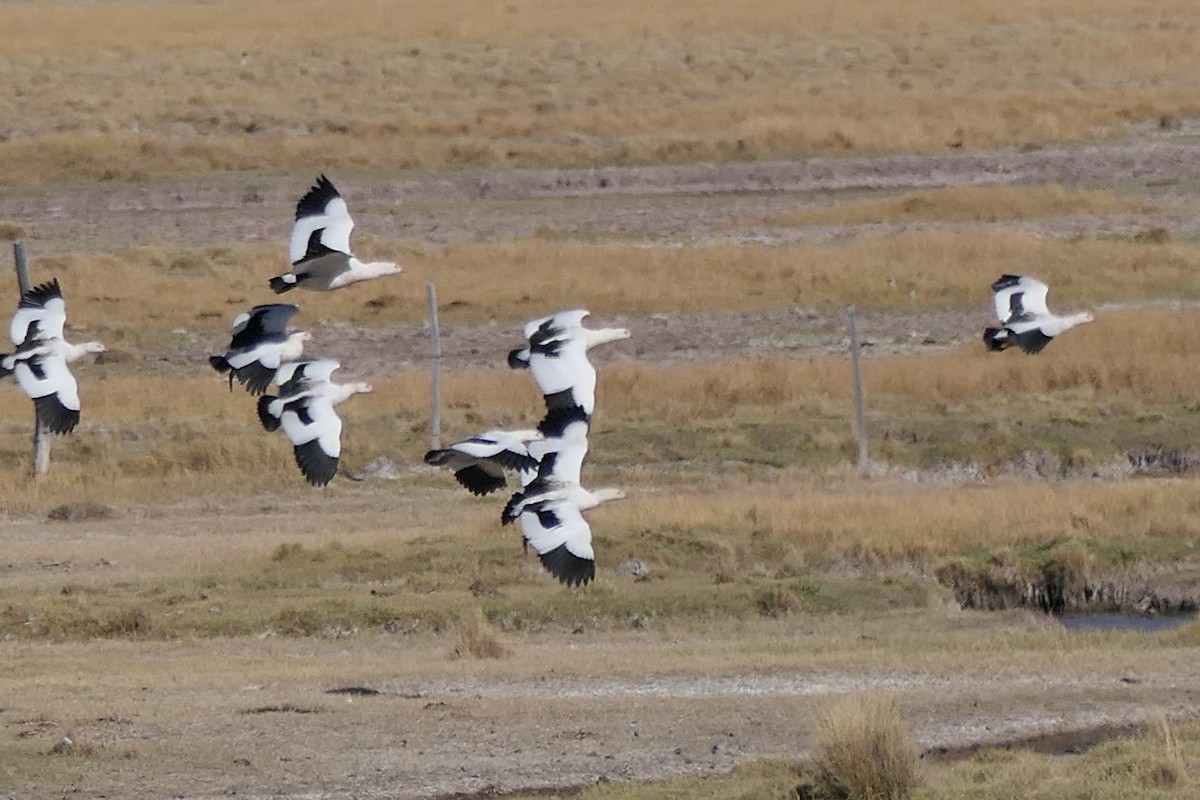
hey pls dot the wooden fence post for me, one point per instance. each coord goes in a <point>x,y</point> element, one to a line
<point>435,422</point>
<point>41,437</point>
<point>860,410</point>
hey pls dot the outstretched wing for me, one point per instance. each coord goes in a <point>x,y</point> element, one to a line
<point>43,375</point>
<point>41,314</point>
<point>315,430</point>
<point>323,223</point>
<point>1019,297</point>
<point>265,323</point>
<point>295,377</point>
<point>562,539</point>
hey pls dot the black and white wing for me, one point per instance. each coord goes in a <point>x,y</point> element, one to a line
<point>314,428</point>
<point>41,314</point>
<point>1032,335</point>
<point>479,462</point>
<point>1019,297</point>
<point>256,348</point>
<point>541,331</point>
<point>554,325</point>
<point>562,538</point>
<point>298,380</point>
<point>323,224</point>
<point>265,323</point>
<point>41,371</point>
<point>296,377</point>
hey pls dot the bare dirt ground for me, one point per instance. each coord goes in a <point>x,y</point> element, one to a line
<point>253,718</point>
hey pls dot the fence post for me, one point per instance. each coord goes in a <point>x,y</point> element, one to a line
<point>41,437</point>
<point>435,423</point>
<point>860,410</point>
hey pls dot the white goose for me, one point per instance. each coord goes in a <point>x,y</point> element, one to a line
<point>556,354</point>
<point>479,462</point>
<point>551,507</point>
<point>305,409</point>
<point>320,245</point>
<point>260,345</point>
<point>1024,318</point>
<point>40,360</point>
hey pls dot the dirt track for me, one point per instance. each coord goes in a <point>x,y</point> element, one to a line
<point>504,726</point>
<point>693,204</point>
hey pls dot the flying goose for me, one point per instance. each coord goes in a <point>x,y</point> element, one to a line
<point>39,363</point>
<point>260,345</point>
<point>552,522</point>
<point>479,462</point>
<point>320,245</point>
<point>1024,318</point>
<point>550,508</point>
<point>556,354</point>
<point>305,409</point>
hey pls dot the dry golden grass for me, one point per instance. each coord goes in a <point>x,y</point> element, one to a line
<point>966,204</point>
<point>1158,763</point>
<point>864,751</point>
<point>1121,383</point>
<point>163,289</point>
<point>478,639</point>
<point>224,86</point>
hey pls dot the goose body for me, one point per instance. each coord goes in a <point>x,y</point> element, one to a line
<point>306,411</point>
<point>260,346</point>
<point>556,354</point>
<point>1025,319</point>
<point>320,245</point>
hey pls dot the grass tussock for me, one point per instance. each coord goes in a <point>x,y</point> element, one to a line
<point>1154,764</point>
<point>864,752</point>
<point>543,83</point>
<point>478,639</point>
<point>11,231</point>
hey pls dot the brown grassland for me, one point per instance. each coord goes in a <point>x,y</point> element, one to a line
<point>175,604</point>
<point>130,89</point>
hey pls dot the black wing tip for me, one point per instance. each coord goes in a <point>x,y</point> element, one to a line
<point>255,377</point>
<point>269,421</point>
<point>317,466</point>
<point>1005,281</point>
<point>478,482</point>
<point>1033,341</point>
<point>37,296</point>
<point>314,201</point>
<point>219,364</point>
<point>510,508</point>
<point>519,358</point>
<point>54,416</point>
<point>569,568</point>
<point>996,339</point>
